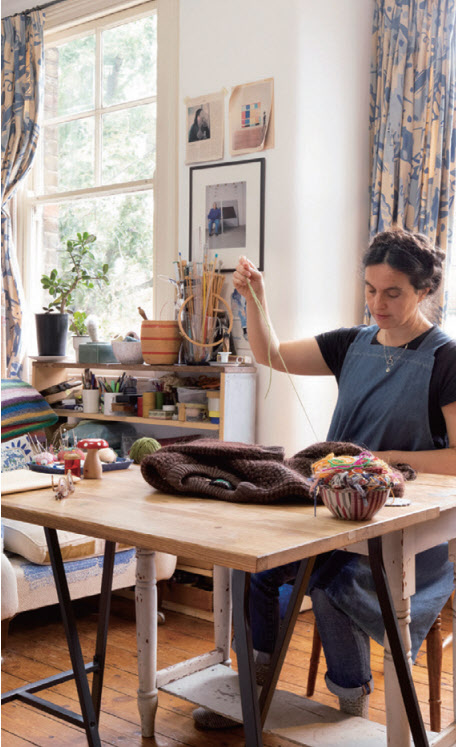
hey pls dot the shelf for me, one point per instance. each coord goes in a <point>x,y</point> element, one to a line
<point>146,368</point>
<point>64,413</point>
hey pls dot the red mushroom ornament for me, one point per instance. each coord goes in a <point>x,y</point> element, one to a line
<point>92,465</point>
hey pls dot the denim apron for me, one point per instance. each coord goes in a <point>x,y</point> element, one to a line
<point>385,411</point>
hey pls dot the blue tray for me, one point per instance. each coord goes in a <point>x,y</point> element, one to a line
<point>58,469</point>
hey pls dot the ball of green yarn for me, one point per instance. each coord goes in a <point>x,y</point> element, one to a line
<point>142,447</point>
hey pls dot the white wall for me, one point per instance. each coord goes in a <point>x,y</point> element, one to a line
<point>316,176</point>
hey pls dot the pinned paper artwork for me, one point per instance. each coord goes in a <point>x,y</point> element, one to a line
<point>205,128</point>
<point>251,117</point>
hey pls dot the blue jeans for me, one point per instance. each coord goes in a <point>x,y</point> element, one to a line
<point>345,643</point>
<point>349,674</point>
<point>215,222</point>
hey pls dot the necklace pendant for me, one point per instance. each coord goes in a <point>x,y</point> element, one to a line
<point>388,369</point>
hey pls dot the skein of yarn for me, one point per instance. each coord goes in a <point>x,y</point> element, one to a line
<point>142,447</point>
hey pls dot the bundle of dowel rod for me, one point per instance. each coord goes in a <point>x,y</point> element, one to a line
<point>201,282</point>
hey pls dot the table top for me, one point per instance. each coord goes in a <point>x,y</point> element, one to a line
<point>122,507</point>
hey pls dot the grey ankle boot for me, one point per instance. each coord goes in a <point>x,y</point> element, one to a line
<point>358,707</point>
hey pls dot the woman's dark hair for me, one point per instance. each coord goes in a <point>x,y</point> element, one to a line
<point>410,253</point>
<point>197,113</point>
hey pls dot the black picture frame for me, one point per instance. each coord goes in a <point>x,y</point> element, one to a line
<point>238,190</point>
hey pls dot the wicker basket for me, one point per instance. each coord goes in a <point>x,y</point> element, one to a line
<point>127,352</point>
<point>349,504</point>
<point>160,342</point>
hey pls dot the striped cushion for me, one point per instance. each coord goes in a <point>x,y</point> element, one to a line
<point>23,409</point>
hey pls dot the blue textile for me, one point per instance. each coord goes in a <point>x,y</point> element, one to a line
<point>384,411</point>
<point>22,97</point>
<point>413,121</point>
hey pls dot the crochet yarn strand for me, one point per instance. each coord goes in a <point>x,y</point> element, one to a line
<point>261,310</point>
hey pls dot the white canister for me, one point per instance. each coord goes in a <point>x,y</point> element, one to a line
<point>90,400</point>
<point>108,399</point>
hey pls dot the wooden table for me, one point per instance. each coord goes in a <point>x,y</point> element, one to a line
<point>247,538</point>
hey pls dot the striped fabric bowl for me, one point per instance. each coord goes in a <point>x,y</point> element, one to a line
<point>348,504</point>
<point>160,342</point>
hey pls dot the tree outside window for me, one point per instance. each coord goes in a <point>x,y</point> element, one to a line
<point>96,168</point>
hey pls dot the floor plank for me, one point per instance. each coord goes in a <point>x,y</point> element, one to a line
<point>36,648</point>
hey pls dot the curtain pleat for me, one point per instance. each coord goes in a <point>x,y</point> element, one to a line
<point>413,121</point>
<point>22,96</point>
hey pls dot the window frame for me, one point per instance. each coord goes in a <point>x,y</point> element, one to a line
<point>164,182</point>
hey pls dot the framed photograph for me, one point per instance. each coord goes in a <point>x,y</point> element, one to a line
<point>227,212</point>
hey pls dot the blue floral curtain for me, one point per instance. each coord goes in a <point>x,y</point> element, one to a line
<point>22,94</point>
<point>413,120</point>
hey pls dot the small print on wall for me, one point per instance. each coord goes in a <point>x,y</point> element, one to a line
<point>251,117</point>
<point>205,128</point>
<point>227,212</point>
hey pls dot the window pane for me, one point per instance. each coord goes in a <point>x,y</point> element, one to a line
<point>123,226</point>
<point>69,155</point>
<point>129,144</point>
<point>70,77</point>
<point>130,61</point>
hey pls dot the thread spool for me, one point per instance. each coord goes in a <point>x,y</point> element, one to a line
<point>149,403</point>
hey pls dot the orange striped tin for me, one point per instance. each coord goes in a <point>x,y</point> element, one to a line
<point>160,342</point>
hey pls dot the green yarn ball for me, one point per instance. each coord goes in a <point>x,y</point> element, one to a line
<point>142,447</point>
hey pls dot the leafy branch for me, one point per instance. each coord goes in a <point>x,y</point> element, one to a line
<point>62,287</point>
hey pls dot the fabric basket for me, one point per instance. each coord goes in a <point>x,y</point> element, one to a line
<point>349,504</point>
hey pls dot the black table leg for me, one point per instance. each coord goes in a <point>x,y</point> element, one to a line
<point>90,705</point>
<point>244,651</point>
<point>69,623</point>
<point>285,633</point>
<point>99,658</point>
<point>397,647</point>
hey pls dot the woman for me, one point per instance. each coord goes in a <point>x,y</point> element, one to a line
<point>200,128</point>
<point>397,397</point>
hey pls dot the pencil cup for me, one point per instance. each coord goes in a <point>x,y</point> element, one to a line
<point>90,400</point>
<point>149,403</point>
<point>108,399</point>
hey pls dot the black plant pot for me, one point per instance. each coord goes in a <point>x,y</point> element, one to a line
<point>52,333</point>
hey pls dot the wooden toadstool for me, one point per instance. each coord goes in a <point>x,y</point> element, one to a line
<point>92,465</point>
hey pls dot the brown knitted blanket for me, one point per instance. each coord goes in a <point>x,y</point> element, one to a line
<point>242,473</point>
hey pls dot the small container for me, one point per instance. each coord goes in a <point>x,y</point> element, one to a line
<point>108,399</point>
<point>349,504</point>
<point>195,412</point>
<point>159,400</point>
<point>213,403</point>
<point>160,414</point>
<point>149,403</point>
<point>169,408</point>
<point>192,394</point>
<point>90,400</point>
<point>127,352</point>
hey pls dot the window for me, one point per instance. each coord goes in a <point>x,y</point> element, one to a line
<point>96,165</point>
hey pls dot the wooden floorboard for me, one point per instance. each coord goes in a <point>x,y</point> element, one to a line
<point>36,648</point>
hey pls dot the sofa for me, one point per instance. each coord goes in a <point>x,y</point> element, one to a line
<point>27,579</point>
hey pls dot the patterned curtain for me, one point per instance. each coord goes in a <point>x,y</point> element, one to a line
<point>22,94</point>
<point>413,120</point>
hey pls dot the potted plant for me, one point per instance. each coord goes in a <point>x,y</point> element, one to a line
<point>78,326</point>
<point>52,327</point>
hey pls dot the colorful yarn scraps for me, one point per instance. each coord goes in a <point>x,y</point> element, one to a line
<point>361,473</point>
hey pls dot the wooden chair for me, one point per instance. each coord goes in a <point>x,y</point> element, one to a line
<point>434,650</point>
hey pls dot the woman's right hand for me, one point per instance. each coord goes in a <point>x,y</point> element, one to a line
<point>246,270</point>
